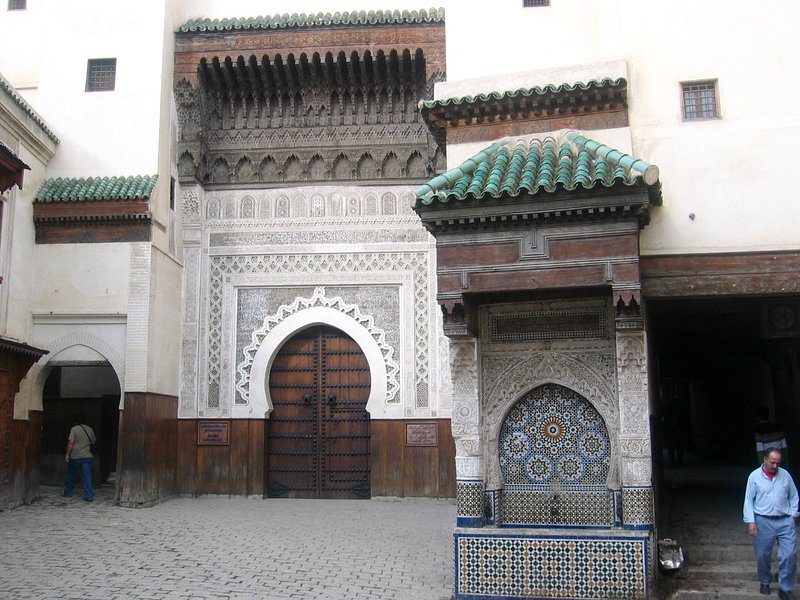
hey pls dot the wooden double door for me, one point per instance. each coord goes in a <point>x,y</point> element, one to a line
<point>319,435</point>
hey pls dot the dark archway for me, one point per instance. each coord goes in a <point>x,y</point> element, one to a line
<point>90,390</point>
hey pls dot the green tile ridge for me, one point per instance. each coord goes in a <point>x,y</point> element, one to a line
<point>303,20</point>
<point>26,108</point>
<point>137,187</point>
<point>522,92</point>
<point>513,166</point>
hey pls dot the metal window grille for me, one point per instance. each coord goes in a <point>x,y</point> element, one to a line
<point>101,74</point>
<point>16,4</point>
<point>529,3</point>
<point>700,100</point>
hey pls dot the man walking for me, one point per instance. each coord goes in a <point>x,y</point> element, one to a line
<point>770,507</point>
<point>79,458</point>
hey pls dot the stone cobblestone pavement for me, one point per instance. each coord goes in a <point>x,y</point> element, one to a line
<point>227,548</point>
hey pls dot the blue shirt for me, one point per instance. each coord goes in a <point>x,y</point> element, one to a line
<point>776,497</point>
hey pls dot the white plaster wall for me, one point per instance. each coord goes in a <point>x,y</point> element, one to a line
<point>18,251</point>
<point>728,172</point>
<point>101,133</point>
<point>81,279</point>
<point>164,336</point>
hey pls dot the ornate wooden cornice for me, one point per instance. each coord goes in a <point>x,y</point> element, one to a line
<point>101,209</point>
<point>596,104</point>
<point>314,102</point>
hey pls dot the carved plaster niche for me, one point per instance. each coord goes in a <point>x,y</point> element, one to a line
<point>529,372</point>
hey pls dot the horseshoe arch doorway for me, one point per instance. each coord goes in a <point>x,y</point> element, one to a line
<point>319,429</point>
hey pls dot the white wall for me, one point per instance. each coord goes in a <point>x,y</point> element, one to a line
<point>86,279</point>
<point>730,173</point>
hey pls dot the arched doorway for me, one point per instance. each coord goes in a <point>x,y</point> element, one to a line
<point>92,391</point>
<point>319,433</point>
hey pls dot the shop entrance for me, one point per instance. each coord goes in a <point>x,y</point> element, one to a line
<point>319,429</point>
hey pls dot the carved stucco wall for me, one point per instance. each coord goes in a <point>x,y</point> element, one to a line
<point>250,254</point>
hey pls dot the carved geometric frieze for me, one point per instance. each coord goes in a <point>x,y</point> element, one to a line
<point>356,267</point>
<point>318,298</point>
<point>468,447</point>
<point>637,471</point>
<point>634,447</point>
<point>632,363</point>
<point>355,204</point>
<point>191,207</point>
<point>634,415</point>
<point>464,368</point>
<point>469,467</point>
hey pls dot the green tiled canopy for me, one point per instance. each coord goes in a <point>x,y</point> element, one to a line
<point>97,188</point>
<point>285,21</point>
<point>511,167</point>
<point>588,86</point>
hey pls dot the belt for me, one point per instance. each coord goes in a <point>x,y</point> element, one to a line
<point>772,516</point>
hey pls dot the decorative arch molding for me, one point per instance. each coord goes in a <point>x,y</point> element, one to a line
<point>33,384</point>
<point>536,370</point>
<point>267,341</point>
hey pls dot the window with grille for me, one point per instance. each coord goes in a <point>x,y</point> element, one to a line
<point>529,3</point>
<point>700,100</point>
<point>16,4</point>
<point>101,74</point>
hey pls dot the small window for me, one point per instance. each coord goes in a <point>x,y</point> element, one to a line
<point>101,74</point>
<point>172,193</point>
<point>16,4</point>
<point>700,100</point>
<point>530,3</point>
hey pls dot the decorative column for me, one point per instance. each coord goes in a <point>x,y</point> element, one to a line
<point>466,432</point>
<point>634,435</point>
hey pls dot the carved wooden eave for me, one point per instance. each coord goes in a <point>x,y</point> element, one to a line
<point>532,216</point>
<point>94,209</point>
<point>263,107</point>
<point>597,104</point>
<point>12,346</point>
<point>614,204</point>
<point>12,169</point>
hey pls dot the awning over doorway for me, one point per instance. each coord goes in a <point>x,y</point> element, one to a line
<point>566,162</point>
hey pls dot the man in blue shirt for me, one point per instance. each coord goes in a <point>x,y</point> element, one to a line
<point>770,507</point>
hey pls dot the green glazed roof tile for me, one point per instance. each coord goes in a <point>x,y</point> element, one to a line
<point>286,21</point>
<point>523,92</point>
<point>19,101</point>
<point>97,188</point>
<point>515,166</point>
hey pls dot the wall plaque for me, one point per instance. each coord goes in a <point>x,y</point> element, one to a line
<point>422,434</point>
<point>213,433</point>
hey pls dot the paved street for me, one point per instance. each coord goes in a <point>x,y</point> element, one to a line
<point>213,547</point>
